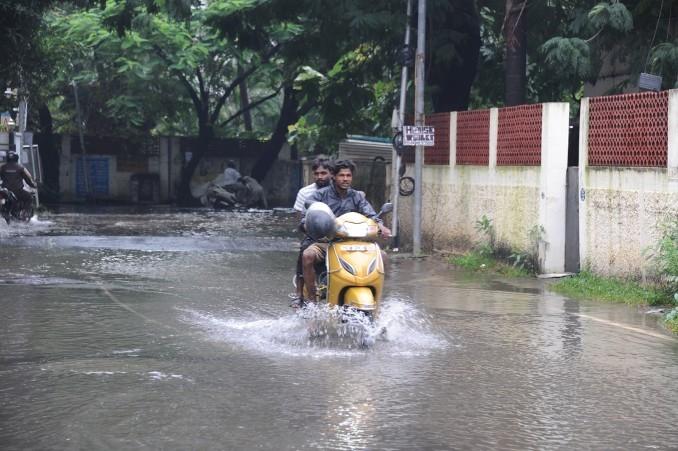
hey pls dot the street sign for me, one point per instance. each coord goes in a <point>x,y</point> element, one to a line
<point>418,136</point>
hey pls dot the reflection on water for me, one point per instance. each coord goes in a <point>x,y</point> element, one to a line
<point>170,329</point>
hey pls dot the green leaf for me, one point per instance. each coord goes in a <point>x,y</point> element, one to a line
<point>615,16</point>
<point>620,17</point>
<point>223,8</point>
<point>308,73</point>
<point>570,56</point>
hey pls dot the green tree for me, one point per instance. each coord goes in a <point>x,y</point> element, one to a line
<point>572,42</point>
<point>19,50</point>
<point>336,72</point>
<point>638,35</point>
<point>453,52</point>
<point>143,54</point>
<point>515,62</point>
<point>304,74</point>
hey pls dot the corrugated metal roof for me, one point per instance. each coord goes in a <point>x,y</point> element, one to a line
<point>361,149</point>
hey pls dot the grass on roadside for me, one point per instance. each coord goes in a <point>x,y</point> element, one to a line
<point>588,286</point>
<point>671,320</point>
<point>477,262</point>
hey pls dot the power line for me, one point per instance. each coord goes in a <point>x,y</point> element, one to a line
<point>656,27</point>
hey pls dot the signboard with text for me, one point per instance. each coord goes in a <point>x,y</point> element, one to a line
<point>418,135</point>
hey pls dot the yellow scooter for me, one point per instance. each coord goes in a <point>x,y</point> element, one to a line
<point>353,272</point>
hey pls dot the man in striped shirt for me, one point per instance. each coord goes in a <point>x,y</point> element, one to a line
<point>322,176</point>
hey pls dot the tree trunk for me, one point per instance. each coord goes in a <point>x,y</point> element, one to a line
<point>205,135</point>
<point>49,155</point>
<point>515,64</point>
<point>289,114</point>
<point>451,80</point>
<point>245,101</point>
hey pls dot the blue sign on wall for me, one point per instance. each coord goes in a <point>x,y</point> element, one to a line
<point>97,176</point>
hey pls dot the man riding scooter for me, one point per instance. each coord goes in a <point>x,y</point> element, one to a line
<point>13,175</point>
<point>340,198</point>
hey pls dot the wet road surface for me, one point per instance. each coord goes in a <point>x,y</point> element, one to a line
<point>168,329</point>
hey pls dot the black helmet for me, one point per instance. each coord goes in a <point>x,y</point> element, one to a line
<point>12,157</point>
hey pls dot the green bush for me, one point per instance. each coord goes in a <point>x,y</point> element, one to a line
<point>488,253</point>
<point>665,255</point>
<point>671,320</point>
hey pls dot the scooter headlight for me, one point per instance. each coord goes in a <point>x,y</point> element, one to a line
<point>347,266</point>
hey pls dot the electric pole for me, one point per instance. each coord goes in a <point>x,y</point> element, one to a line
<point>419,81</point>
<point>396,160</point>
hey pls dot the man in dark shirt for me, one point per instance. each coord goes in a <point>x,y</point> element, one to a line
<point>341,198</point>
<point>13,175</point>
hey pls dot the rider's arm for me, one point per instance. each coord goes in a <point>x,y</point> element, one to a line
<point>365,208</point>
<point>299,202</point>
<point>28,178</point>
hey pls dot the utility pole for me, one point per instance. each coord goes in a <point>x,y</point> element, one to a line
<point>396,160</point>
<point>21,118</point>
<point>419,121</point>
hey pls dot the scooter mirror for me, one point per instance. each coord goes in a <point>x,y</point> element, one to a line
<point>386,208</point>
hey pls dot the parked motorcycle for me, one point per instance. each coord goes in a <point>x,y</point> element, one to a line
<point>11,209</point>
<point>352,275</point>
<point>251,194</point>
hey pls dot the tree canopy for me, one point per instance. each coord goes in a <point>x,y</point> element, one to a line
<point>573,42</point>
<point>311,71</point>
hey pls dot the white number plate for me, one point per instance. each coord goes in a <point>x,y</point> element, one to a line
<point>355,247</point>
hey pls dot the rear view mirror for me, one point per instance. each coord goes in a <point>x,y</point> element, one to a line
<point>386,208</point>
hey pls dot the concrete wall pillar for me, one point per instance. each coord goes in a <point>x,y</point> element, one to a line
<point>453,139</point>
<point>494,131</point>
<point>583,185</point>
<point>553,185</point>
<point>672,163</point>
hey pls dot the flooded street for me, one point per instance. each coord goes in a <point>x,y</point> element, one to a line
<point>163,329</point>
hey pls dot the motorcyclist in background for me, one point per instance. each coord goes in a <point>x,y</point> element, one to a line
<point>13,175</point>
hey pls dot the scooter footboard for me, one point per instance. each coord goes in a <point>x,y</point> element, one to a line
<point>361,298</point>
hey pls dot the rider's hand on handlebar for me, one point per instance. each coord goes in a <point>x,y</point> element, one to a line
<point>384,231</point>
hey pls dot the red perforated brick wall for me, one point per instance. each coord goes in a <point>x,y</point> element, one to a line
<point>440,152</point>
<point>519,136</point>
<point>629,130</point>
<point>473,137</point>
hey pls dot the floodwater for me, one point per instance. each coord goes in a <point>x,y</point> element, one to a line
<point>164,329</point>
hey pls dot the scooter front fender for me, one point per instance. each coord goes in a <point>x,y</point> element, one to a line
<point>360,298</point>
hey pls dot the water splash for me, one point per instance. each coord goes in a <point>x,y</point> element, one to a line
<point>33,226</point>
<point>35,222</point>
<point>322,331</point>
